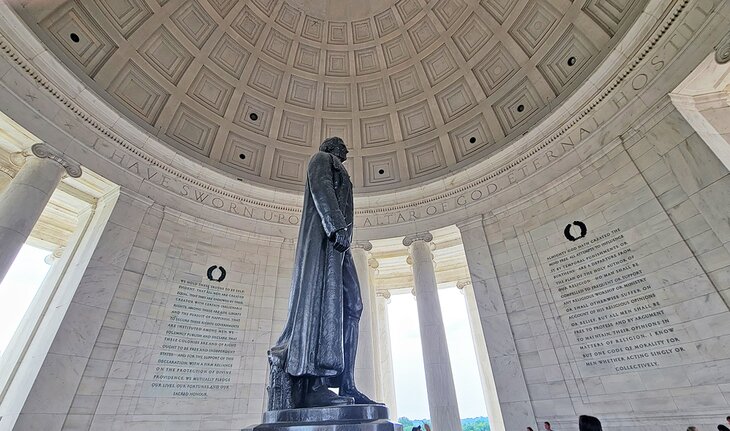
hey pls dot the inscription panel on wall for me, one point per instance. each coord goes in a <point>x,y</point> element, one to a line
<point>200,339</point>
<point>614,318</point>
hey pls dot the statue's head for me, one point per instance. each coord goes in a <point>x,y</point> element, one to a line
<point>336,147</point>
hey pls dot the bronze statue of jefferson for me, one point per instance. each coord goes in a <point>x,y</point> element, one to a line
<point>317,348</point>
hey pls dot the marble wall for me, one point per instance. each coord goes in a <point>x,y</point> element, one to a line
<point>636,358</point>
<point>105,367</point>
<point>633,173</point>
<point>658,194</point>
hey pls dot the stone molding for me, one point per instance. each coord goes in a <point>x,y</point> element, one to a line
<point>631,54</point>
<point>163,100</point>
<point>470,222</point>
<point>701,102</point>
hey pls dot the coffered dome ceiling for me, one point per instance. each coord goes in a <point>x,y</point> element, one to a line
<point>418,89</point>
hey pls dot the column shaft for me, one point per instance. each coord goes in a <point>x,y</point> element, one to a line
<point>489,389</point>
<point>22,203</point>
<point>442,401</point>
<point>386,386</point>
<point>365,359</point>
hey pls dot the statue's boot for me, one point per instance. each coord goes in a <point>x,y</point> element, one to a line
<point>320,396</point>
<point>347,386</point>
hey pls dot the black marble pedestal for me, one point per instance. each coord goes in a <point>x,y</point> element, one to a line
<point>342,418</point>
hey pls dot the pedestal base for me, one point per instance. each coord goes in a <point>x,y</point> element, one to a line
<point>342,418</point>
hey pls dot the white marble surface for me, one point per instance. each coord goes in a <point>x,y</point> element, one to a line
<point>650,192</point>
<point>22,203</point>
<point>661,185</point>
<point>386,378</point>
<point>365,360</point>
<point>442,403</point>
<point>513,409</point>
<point>489,388</point>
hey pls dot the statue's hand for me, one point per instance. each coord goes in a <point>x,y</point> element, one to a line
<point>342,242</point>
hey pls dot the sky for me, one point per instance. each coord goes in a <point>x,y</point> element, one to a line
<point>18,288</point>
<point>409,375</point>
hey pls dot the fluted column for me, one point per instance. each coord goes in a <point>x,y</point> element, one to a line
<point>24,199</point>
<point>365,359</point>
<point>386,380</point>
<point>439,377</point>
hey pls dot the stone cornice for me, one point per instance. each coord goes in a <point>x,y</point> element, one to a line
<point>633,57</point>
<point>470,223</point>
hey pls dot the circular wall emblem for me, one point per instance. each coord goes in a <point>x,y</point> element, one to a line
<point>212,269</point>
<point>569,228</point>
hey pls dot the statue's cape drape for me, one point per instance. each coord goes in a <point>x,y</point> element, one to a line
<point>312,341</point>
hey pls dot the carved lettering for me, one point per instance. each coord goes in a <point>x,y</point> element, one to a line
<point>198,352</point>
<point>201,196</point>
<point>639,81</point>
<point>614,318</point>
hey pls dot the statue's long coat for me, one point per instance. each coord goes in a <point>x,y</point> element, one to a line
<point>312,341</point>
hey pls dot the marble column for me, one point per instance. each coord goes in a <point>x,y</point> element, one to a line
<point>25,198</point>
<point>439,377</point>
<point>365,359</point>
<point>489,389</point>
<point>384,365</point>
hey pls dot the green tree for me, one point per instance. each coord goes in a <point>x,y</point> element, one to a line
<point>468,424</point>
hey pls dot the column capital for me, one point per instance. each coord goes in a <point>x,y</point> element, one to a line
<point>383,293</point>
<point>364,245</point>
<point>45,151</point>
<point>722,50</point>
<point>419,236</point>
<point>409,259</point>
<point>54,255</point>
<point>462,284</point>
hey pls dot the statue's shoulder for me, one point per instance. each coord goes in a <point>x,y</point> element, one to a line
<point>321,157</point>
